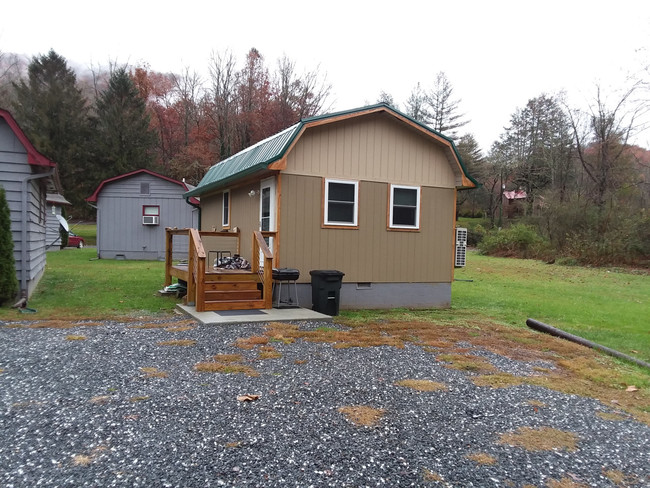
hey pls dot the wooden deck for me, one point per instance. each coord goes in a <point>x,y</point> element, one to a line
<point>211,289</point>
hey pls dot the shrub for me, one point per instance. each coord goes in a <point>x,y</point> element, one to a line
<point>8,280</point>
<point>475,235</point>
<point>616,234</point>
<point>520,240</point>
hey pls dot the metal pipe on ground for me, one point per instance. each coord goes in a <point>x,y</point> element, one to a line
<point>542,327</point>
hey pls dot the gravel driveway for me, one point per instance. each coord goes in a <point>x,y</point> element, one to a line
<point>77,409</point>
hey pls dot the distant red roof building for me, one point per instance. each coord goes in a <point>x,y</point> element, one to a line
<point>515,195</point>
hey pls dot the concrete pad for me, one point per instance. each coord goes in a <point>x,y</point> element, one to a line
<point>248,316</point>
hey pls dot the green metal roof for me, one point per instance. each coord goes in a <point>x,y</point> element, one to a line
<point>259,156</point>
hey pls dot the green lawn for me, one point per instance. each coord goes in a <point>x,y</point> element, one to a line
<point>606,306</point>
<point>87,231</point>
<point>76,284</point>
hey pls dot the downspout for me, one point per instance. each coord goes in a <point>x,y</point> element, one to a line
<point>198,207</point>
<point>23,244</point>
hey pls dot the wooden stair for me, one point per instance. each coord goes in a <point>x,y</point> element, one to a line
<point>232,290</point>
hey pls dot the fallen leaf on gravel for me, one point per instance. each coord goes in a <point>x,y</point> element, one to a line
<point>631,388</point>
<point>81,460</point>
<point>247,398</point>
<point>100,400</point>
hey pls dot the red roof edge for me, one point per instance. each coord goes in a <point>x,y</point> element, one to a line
<point>93,197</point>
<point>34,157</point>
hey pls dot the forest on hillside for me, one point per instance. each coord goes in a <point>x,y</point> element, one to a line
<point>580,190</point>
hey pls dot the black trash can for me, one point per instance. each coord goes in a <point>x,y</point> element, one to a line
<point>326,290</point>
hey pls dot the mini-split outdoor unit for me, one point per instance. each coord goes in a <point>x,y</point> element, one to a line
<point>461,247</point>
<point>149,220</point>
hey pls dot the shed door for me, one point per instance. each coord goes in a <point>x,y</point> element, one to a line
<point>267,208</point>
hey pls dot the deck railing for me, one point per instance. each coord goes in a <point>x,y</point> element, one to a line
<point>261,252</point>
<point>194,272</point>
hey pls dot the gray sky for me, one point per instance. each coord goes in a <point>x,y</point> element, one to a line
<point>497,54</point>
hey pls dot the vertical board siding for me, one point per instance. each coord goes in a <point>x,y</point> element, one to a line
<point>371,253</point>
<point>119,218</point>
<point>372,148</point>
<point>244,214</point>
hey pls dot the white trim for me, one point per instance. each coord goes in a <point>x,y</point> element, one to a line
<point>270,184</point>
<point>225,219</point>
<point>326,219</point>
<point>417,207</point>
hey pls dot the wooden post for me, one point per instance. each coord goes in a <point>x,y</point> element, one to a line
<point>191,289</point>
<point>200,286</point>
<point>268,285</point>
<point>255,258</point>
<point>169,242</point>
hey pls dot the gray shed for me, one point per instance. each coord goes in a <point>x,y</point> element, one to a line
<point>133,211</point>
<point>27,176</point>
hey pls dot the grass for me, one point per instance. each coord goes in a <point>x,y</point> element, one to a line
<point>610,307</point>
<point>421,385</point>
<point>78,285</point>
<point>87,231</point>
<point>362,414</point>
<point>573,369</point>
<point>541,439</point>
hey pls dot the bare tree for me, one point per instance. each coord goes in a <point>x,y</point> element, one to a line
<point>297,97</point>
<point>10,71</point>
<point>387,98</point>
<point>187,90</point>
<point>601,135</point>
<point>222,101</point>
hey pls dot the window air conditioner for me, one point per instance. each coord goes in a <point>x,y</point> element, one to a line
<point>461,247</point>
<point>149,220</point>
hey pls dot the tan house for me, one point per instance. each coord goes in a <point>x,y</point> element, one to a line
<point>369,192</point>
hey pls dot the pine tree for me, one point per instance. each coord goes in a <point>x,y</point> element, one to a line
<point>444,116</point>
<point>416,105</point>
<point>8,280</point>
<point>52,111</point>
<point>125,140</point>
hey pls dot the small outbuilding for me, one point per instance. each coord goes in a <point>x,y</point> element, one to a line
<point>133,210</point>
<point>27,177</point>
<point>369,192</point>
<point>53,218</point>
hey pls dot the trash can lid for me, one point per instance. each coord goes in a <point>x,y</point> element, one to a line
<point>326,272</point>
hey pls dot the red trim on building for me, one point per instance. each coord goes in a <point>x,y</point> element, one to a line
<point>95,195</point>
<point>34,157</point>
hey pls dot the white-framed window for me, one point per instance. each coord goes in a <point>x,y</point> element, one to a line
<point>341,205</point>
<point>404,207</point>
<point>225,209</point>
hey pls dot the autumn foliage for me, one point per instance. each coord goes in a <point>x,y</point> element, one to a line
<point>201,122</point>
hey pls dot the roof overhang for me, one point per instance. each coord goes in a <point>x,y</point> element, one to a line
<point>93,198</point>
<point>270,153</point>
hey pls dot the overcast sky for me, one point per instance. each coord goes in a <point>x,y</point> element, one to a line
<point>497,54</point>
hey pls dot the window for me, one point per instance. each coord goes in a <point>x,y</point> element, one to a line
<point>144,188</point>
<point>150,215</point>
<point>225,220</point>
<point>341,203</point>
<point>404,207</point>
